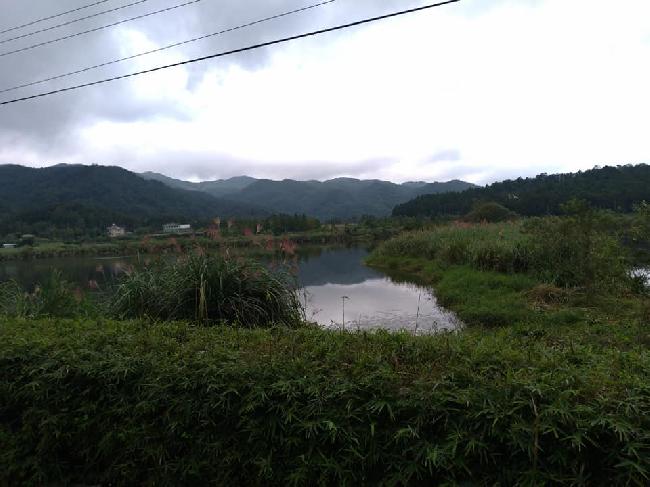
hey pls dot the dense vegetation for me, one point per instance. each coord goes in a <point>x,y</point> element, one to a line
<point>68,201</point>
<point>100,402</point>
<point>548,384</point>
<point>616,188</point>
<point>576,250</point>
<point>341,198</point>
<point>540,270</point>
<point>203,289</point>
<point>208,289</point>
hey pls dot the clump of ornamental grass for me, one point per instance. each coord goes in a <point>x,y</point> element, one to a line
<point>208,289</point>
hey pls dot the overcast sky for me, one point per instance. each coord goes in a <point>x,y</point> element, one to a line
<point>480,90</point>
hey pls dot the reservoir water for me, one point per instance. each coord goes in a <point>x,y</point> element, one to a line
<point>337,289</point>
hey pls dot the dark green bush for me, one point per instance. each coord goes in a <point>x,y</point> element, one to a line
<point>490,212</point>
<point>103,403</point>
<point>574,251</point>
<point>208,289</point>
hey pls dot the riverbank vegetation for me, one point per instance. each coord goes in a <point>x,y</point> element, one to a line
<point>204,289</point>
<point>546,385</point>
<point>535,270</point>
<point>242,235</point>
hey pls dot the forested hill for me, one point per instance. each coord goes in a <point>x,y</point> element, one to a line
<point>341,198</point>
<point>87,199</point>
<point>616,188</point>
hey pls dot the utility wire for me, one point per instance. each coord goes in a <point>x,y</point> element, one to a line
<point>52,41</point>
<point>52,17</point>
<point>74,21</point>
<point>235,51</point>
<point>170,46</point>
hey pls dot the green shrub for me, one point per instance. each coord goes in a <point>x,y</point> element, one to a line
<point>573,251</point>
<point>208,289</point>
<point>490,212</point>
<point>103,403</point>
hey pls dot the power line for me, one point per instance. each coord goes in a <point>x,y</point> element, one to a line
<point>74,21</point>
<point>234,51</point>
<point>170,46</point>
<point>52,41</point>
<point>52,16</point>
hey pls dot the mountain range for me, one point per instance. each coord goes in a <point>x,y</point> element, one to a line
<point>340,198</point>
<point>83,200</point>
<point>86,199</point>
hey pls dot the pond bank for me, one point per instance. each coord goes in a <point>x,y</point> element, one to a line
<point>263,244</point>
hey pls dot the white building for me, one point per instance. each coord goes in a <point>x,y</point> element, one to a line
<point>175,228</point>
<point>114,231</point>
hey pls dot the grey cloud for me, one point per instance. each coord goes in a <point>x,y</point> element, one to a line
<point>49,125</point>
<point>445,156</point>
<point>208,166</point>
<point>44,117</point>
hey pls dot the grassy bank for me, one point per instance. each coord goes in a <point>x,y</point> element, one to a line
<point>543,271</point>
<point>101,402</point>
<point>153,245</point>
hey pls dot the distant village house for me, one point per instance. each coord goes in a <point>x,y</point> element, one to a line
<point>9,246</point>
<point>114,231</point>
<point>175,228</point>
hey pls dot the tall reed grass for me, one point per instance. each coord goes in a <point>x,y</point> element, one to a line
<point>208,289</point>
<point>498,247</point>
<point>570,251</point>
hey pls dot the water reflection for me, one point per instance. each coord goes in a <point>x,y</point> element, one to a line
<point>341,292</point>
<point>377,303</point>
<point>642,272</point>
<point>334,266</point>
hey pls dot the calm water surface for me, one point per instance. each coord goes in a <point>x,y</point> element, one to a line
<point>330,279</point>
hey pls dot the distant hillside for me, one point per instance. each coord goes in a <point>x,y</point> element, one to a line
<point>338,198</point>
<point>221,187</point>
<point>89,198</point>
<point>616,188</point>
